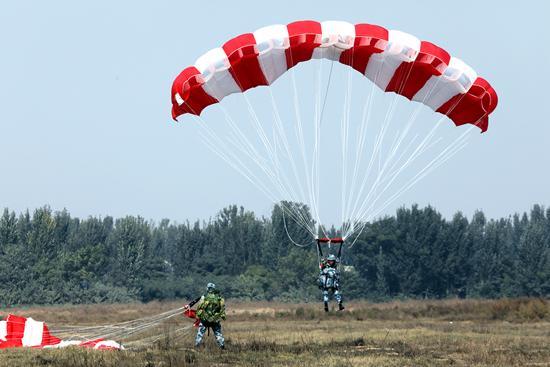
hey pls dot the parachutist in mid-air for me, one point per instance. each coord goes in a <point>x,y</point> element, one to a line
<point>329,275</point>
<point>210,312</point>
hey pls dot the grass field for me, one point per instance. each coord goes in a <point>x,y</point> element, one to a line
<point>409,333</point>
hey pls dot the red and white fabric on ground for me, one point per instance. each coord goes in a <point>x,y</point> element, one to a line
<point>395,61</point>
<point>17,331</point>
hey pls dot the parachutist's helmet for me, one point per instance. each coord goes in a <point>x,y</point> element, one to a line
<point>210,287</point>
<point>331,260</point>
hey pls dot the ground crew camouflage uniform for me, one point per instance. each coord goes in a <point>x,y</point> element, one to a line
<point>211,311</point>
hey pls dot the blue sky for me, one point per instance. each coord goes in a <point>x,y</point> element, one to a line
<point>85,109</point>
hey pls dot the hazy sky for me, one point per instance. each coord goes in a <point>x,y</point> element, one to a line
<point>85,102</point>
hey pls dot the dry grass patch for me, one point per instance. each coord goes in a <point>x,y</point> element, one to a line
<point>408,333</point>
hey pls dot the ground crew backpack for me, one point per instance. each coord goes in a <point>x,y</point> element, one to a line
<point>212,308</point>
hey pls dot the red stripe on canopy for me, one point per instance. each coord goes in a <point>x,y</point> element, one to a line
<point>304,37</point>
<point>243,57</point>
<point>369,39</point>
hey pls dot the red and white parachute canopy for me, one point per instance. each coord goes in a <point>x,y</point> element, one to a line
<point>395,61</point>
<point>17,331</point>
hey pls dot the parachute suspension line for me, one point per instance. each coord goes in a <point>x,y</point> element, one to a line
<point>286,144</point>
<point>236,163</point>
<point>265,140</point>
<point>443,157</point>
<point>227,156</point>
<point>251,152</point>
<point>257,159</point>
<point>290,237</point>
<point>232,160</point>
<point>361,139</point>
<point>326,91</point>
<point>376,150</point>
<point>453,148</point>
<point>218,147</point>
<point>394,149</point>
<point>300,135</point>
<point>344,133</point>
<point>400,136</point>
<point>420,149</point>
<point>317,120</point>
<point>275,178</point>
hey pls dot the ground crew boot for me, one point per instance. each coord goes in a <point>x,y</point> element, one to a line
<point>326,306</point>
<point>341,306</point>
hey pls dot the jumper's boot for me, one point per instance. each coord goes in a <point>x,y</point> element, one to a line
<point>326,306</point>
<point>341,306</point>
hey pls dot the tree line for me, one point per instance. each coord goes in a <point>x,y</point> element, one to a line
<point>51,257</point>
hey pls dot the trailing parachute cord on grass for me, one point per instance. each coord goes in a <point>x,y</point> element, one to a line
<point>143,324</point>
<point>139,320</point>
<point>125,332</point>
<point>117,330</point>
<point>147,341</point>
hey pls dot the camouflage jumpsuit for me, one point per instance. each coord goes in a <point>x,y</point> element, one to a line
<point>329,281</point>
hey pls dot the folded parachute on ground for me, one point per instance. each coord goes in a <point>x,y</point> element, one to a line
<point>395,61</point>
<point>17,331</point>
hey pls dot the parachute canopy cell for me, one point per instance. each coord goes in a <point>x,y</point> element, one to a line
<point>18,331</point>
<point>395,61</point>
